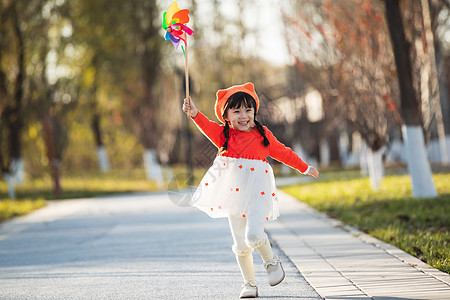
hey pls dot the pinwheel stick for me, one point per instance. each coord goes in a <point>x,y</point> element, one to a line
<point>186,72</point>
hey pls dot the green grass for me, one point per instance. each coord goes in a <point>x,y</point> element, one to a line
<point>10,208</point>
<point>417,226</point>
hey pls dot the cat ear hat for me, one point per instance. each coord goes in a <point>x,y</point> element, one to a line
<point>223,95</point>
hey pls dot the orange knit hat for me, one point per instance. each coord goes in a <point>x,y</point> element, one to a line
<point>223,95</point>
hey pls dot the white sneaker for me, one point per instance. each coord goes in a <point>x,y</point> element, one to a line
<point>275,271</point>
<point>249,290</point>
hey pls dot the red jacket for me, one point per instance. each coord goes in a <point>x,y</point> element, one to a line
<point>242,144</point>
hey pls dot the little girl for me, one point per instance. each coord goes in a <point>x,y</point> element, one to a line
<point>240,184</point>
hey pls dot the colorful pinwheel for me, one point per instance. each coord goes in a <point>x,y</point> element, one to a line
<point>174,20</point>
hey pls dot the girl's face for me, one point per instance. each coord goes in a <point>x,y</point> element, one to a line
<point>241,118</point>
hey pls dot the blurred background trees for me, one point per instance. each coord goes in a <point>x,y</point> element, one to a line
<point>355,70</point>
<point>357,74</point>
<point>92,84</point>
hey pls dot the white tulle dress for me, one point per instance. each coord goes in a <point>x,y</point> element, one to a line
<point>237,187</point>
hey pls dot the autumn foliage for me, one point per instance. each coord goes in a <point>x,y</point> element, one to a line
<point>347,45</point>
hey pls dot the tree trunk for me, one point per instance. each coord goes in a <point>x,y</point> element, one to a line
<point>4,154</point>
<point>18,170</point>
<point>11,189</point>
<point>102,155</point>
<point>324,154</point>
<point>354,157</point>
<point>11,115</point>
<point>16,113</point>
<point>434,78</point>
<point>101,151</point>
<point>343,148</point>
<point>14,117</point>
<point>150,117</point>
<point>153,168</point>
<point>442,72</point>
<point>418,164</point>
<point>363,159</point>
<point>54,162</point>
<point>375,167</point>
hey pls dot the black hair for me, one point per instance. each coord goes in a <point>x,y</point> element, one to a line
<point>235,101</point>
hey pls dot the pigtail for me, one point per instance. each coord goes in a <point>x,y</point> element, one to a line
<point>263,133</point>
<point>226,133</point>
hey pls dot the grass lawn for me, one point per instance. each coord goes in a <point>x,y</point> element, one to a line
<point>14,208</point>
<point>417,226</point>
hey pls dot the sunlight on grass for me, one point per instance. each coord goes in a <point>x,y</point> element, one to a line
<point>11,208</point>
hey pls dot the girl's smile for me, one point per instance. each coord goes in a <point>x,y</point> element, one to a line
<point>241,118</point>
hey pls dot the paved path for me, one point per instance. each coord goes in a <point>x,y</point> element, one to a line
<point>146,247</point>
<point>127,247</point>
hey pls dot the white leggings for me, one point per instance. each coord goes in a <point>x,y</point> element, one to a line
<point>248,234</point>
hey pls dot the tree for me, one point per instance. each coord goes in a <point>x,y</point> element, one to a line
<point>49,97</point>
<point>99,32</point>
<point>146,32</point>
<point>440,23</point>
<point>438,88</point>
<point>339,48</point>
<point>421,24</point>
<point>418,165</point>
<point>12,76</point>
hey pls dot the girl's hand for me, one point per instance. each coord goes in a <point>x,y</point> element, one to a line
<point>313,172</point>
<point>189,107</point>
